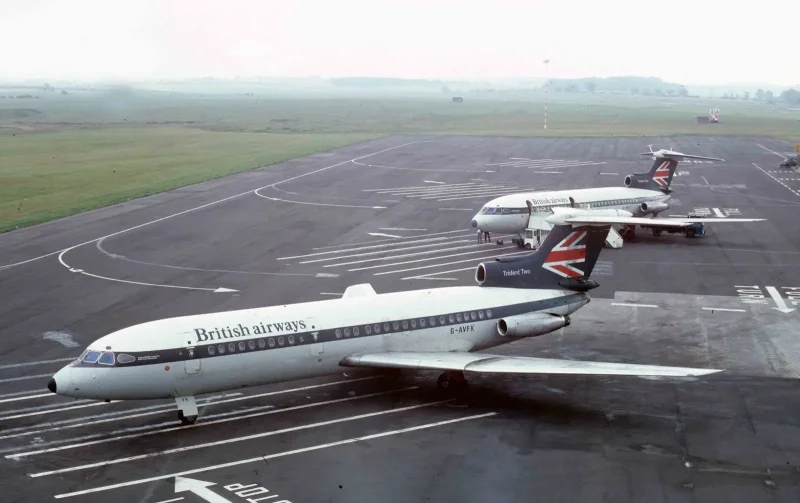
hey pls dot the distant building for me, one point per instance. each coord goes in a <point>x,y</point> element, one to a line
<point>458,99</point>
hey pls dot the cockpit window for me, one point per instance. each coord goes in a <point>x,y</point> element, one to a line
<point>106,359</point>
<point>91,356</point>
<point>123,358</point>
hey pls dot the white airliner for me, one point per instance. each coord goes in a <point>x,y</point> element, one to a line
<point>644,195</point>
<point>440,329</point>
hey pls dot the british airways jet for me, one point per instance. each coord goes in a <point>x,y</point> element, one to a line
<point>644,195</point>
<point>437,329</point>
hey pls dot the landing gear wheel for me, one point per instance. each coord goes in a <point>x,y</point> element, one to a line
<point>690,233</point>
<point>454,381</point>
<point>656,232</point>
<point>186,419</point>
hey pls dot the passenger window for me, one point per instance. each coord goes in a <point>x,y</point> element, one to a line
<point>347,332</point>
<point>241,346</point>
<point>291,339</point>
<point>271,342</point>
<point>280,341</point>
<point>338,333</point>
<point>488,313</point>
<point>385,327</point>
<point>458,317</point>
<point>231,347</point>
<point>106,359</point>
<point>441,320</point>
<point>480,314</point>
<point>356,331</point>
<point>396,325</point>
<point>211,351</point>
<point>92,356</point>
<point>368,330</point>
<point>261,343</point>
<point>451,319</point>
<point>405,325</point>
<point>473,316</point>
<point>422,322</point>
<point>413,323</point>
<point>221,349</point>
<point>376,328</point>
<point>251,344</point>
<point>432,321</point>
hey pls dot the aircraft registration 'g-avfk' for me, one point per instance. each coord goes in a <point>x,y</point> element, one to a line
<point>440,328</point>
<point>644,195</point>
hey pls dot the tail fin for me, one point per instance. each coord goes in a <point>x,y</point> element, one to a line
<point>665,162</point>
<point>565,259</point>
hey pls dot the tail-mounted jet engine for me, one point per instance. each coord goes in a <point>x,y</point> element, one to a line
<point>531,325</point>
<point>653,207</point>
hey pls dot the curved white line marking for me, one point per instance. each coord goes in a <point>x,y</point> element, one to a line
<point>315,204</point>
<point>64,250</point>
<point>122,257</point>
<point>421,169</point>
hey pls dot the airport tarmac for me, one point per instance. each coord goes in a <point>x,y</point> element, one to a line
<point>395,212</point>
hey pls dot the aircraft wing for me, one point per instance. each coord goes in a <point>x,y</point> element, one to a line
<point>663,222</point>
<point>480,362</point>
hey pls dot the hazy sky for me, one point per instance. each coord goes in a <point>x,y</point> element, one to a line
<point>686,41</point>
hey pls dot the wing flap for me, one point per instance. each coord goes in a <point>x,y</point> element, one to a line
<point>479,362</point>
<point>663,222</point>
<point>360,290</point>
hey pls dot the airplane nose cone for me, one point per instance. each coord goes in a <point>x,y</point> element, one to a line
<point>474,223</point>
<point>51,385</point>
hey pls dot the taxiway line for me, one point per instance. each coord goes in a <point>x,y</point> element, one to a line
<point>261,459</point>
<point>392,250</point>
<point>446,263</point>
<point>110,437</point>
<point>231,440</point>
<point>41,362</point>
<point>393,264</point>
<point>384,243</point>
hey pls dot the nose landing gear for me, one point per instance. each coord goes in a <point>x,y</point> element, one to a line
<point>187,409</point>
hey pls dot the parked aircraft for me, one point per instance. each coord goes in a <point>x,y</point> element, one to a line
<point>440,328</point>
<point>644,195</point>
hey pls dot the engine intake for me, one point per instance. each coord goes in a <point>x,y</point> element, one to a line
<point>531,325</point>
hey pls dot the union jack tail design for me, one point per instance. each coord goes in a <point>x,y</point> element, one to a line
<point>570,250</point>
<point>663,175</point>
<point>566,258</point>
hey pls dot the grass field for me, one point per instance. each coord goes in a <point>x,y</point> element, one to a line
<point>48,175</point>
<point>61,154</point>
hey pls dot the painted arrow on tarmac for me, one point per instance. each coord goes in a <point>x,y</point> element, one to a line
<point>199,488</point>
<point>382,234</point>
<point>776,296</point>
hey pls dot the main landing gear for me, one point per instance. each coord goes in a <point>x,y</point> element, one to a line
<point>628,232</point>
<point>452,380</point>
<point>187,409</point>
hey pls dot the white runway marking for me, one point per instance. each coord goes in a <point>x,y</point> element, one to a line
<point>704,179</point>
<point>615,174</point>
<point>382,241</point>
<point>28,397</point>
<point>211,204</point>
<point>484,247</point>
<point>173,500</point>
<point>404,189</point>
<point>457,209</point>
<point>431,181</point>
<point>113,437</point>
<point>331,293</point>
<point>22,378</point>
<point>261,459</point>
<point>259,194</point>
<point>99,246</point>
<point>156,409</point>
<point>632,305</point>
<point>383,247</point>
<point>724,309</point>
<point>447,263</point>
<point>416,261</point>
<point>399,229</point>
<point>772,151</point>
<point>62,338</point>
<point>795,192</point>
<point>231,440</point>
<point>421,169</point>
<point>42,362</point>
<point>382,234</point>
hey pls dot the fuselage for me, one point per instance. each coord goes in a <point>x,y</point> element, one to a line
<point>191,355</point>
<point>509,214</point>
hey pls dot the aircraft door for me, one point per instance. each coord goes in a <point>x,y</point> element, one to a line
<point>192,362</point>
<point>316,346</point>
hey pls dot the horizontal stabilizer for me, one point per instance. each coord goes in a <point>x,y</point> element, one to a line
<point>479,362</point>
<point>660,222</point>
<point>670,154</point>
<point>361,290</point>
